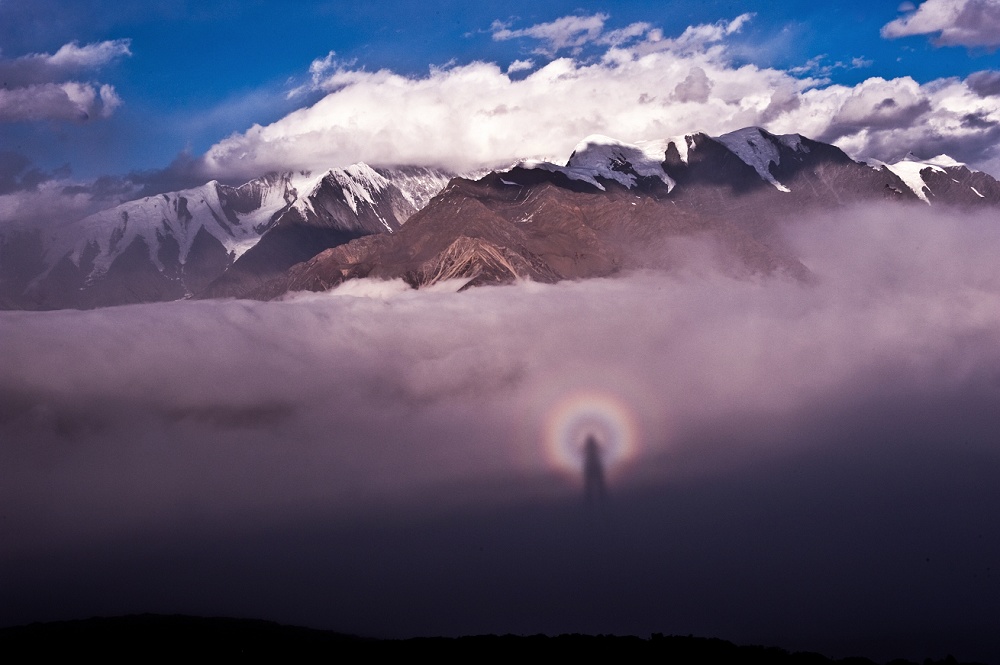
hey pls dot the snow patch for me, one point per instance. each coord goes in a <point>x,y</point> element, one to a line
<point>759,151</point>
<point>418,184</point>
<point>908,170</point>
<point>944,161</point>
<point>176,215</point>
<point>681,143</point>
<point>793,141</point>
<point>571,173</point>
<point>359,182</point>
<point>606,158</point>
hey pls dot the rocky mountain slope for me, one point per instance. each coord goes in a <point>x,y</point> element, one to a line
<point>214,238</point>
<point>616,206</point>
<point>612,206</point>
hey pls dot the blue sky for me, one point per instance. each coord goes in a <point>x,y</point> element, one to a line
<point>183,76</point>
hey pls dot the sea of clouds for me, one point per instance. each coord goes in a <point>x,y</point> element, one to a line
<point>815,463</point>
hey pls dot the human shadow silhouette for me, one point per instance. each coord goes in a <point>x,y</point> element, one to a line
<point>594,488</point>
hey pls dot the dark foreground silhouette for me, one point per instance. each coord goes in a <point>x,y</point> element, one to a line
<point>149,635</point>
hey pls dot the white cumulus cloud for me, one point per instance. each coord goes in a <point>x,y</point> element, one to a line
<point>476,114</point>
<point>956,22</point>
<point>35,86</point>
<point>520,66</point>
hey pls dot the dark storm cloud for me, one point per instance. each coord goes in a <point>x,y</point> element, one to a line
<point>985,83</point>
<point>815,463</point>
<point>971,23</point>
<point>36,86</point>
<point>978,146</point>
<point>63,200</point>
<point>18,173</point>
<point>978,121</point>
<point>69,60</point>
<point>184,172</point>
<point>886,113</point>
<point>106,188</point>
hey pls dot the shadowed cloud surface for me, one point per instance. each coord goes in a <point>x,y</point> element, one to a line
<point>814,464</point>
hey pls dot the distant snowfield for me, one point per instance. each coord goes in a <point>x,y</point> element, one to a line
<point>789,439</point>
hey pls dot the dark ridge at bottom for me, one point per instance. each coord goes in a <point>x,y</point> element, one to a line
<point>145,635</point>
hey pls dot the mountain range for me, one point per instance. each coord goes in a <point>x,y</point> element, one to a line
<point>612,206</point>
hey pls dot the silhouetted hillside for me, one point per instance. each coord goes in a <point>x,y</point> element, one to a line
<point>149,635</point>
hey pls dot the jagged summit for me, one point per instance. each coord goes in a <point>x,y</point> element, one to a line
<point>600,159</point>
<point>941,178</point>
<point>762,150</point>
<point>745,158</point>
<point>599,156</point>
<point>611,206</point>
<point>234,216</point>
<point>179,244</point>
<point>615,206</point>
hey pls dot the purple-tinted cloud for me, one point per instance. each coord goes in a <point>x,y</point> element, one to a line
<point>34,86</point>
<point>381,463</point>
<point>985,83</point>
<point>972,23</point>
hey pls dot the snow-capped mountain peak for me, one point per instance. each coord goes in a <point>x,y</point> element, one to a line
<point>604,157</point>
<point>359,182</point>
<point>759,149</point>
<point>682,144</point>
<point>908,170</point>
<point>599,156</point>
<point>358,186</point>
<point>929,178</point>
<point>180,216</point>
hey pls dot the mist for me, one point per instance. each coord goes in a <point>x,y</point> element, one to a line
<point>810,465</point>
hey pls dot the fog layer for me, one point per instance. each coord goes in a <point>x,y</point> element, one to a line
<point>814,464</point>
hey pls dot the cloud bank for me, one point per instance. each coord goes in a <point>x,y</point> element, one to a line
<point>34,85</point>
<point>633,84</point>
<point>382,463</point>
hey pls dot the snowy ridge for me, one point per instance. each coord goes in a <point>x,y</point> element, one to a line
<point>757,150</point>
<point>599,157</point>
<point>909,173</point>
<point>357,182</point>
<point>270,194</point>
<point>572,174</point>
<point>602,157</point>
<point>944,161</point>
<point>358,185</point>
<point>909,168</point>
<point>682,143</point>
<point>177,215</point>
<point>419,184</point>
<point>235,216</point>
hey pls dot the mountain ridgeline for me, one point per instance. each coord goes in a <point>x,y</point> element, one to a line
<point>612,207</point>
